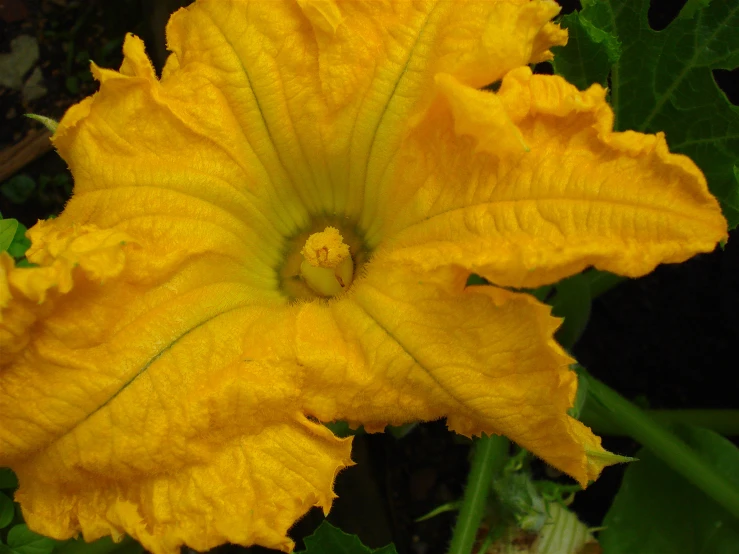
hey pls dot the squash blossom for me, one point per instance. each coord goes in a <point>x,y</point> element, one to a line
<point>278,232</point>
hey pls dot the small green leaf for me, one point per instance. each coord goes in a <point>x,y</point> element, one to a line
<point>18,188</point>
<point>106,545</point>
<point>73,84</point>
<point>8,480</point>
<point>8,227</point>
<point>20,243</point>
<point>7,510</point>
<point>342,429</point>
<point>24,541</point>
<point>656,510</point>
<point>572,302</point>
<point>328,539</point>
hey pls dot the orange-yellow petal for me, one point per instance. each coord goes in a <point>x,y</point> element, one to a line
<point>406,346</point>
<point>165,385</point>
<point>152,405</point>
<point>247,489</point>
<point>146,162</point>
<point>580,196</point>
<point>325,91</point>
<point>80,253</point>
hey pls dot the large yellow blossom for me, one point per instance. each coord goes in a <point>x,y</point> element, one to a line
<point>166,365</point>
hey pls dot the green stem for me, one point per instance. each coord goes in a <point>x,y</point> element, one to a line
<point>723,422</point>
<point>609,405</point>
<point>488,458</point>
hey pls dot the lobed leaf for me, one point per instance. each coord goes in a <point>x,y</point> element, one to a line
<point>663,81</point>
<point>328,539</point>
<point>590,51</point>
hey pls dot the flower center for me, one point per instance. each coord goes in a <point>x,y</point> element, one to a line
<point>327,266</point>
<point>328,253</point>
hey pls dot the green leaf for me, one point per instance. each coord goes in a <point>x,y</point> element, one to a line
<point>328,539</point>
<point>342,429</point>
<point>656,510</point>
<point>20,243</point>
<point>590,52</point>
<point>581,396</point>
<point>8,227</point>
<point>106,545</point>
<point>572,302</point>
<point>73,84</point>
<point>601,282</point>
<point>8,480</point>
<point>7,510</point>
<point>18,188</point>
<point>663,81</point>
<point>24,541</point>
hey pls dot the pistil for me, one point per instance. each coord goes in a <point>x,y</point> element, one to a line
<point>327,267</point>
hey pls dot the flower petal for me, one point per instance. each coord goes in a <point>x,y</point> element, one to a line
<point>403,346</point>
<point>251,491</point>
<point>324,91</point>
<point>144,165</point>
<point>139,405</point>
<point>581,196</point>
<point>82,252</point>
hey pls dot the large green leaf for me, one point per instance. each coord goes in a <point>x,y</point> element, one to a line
<point>663,81</point>
<point>18,188</point>
<point>590,51</point>
<point>328,539</point>
<point>657,510</point>
<point>572,302</point>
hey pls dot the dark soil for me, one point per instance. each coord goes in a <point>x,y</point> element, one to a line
<point>666,339</point>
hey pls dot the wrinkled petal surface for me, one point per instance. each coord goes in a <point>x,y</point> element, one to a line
<point>531,185</point>
<point>481,356</point>
<point>157,379</point>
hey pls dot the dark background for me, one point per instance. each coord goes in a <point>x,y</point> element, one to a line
<point>664,341</point>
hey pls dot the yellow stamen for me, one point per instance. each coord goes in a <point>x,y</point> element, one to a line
<point>327,267</point>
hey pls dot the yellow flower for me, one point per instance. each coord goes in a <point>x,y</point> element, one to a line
<point>192,316</point>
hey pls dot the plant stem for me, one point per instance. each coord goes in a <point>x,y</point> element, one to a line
<point>723,422</point>
<point>611,406</point>
<point>488,458</point>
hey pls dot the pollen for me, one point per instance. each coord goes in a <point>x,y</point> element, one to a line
<point>325,249</point>
<point>327,267</point>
